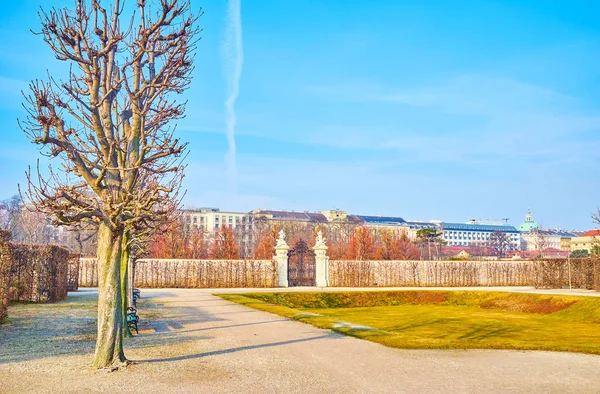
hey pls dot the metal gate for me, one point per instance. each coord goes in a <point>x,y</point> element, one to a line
<point>301,265</point>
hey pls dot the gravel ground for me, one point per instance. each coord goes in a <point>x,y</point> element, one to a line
<point>192,341</point>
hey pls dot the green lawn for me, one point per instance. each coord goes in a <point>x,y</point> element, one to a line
<point>445,319</point>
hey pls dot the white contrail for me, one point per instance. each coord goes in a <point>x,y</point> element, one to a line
<point>234,59</point>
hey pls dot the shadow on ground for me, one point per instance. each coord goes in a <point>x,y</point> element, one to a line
<point>68,327</point>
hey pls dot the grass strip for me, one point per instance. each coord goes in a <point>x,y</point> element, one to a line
<point>445,319</point>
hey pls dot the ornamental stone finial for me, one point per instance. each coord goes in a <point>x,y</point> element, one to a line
<point>320,241</point>
<point>281,240</point>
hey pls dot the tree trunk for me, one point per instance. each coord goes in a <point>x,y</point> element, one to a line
<point>109,343</point>
<point>125,290</point>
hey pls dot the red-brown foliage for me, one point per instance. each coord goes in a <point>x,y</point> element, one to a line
<point>394,247</point>
<point>361,245</point>
<point>224,245</point>
<point>337,250</point>
<point>178,241</point>
<point>265,246</point>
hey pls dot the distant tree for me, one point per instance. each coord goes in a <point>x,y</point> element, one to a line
<point>579,253</point>
<point>197,243</point>
<point>32,227</point>
<point>337,250</point>
<point>428,237</point>
<point>405,249</point>
<point>361,245</point>
<point>265,246</point>
<point>391,246</point>
<point>499,242</point>
<point>10,210</point>
<point>170,243</point>
<point>596,217</point>
<point>224,246</point>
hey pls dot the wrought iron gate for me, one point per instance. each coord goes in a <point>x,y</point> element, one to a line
<point>301,265</point>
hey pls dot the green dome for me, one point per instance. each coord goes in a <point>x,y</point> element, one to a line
<point>528,224</point>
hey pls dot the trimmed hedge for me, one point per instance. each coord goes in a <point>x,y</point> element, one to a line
<point>5,269</point>
<point>33,273</point>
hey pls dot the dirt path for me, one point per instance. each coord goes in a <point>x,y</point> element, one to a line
<point>196,342</point>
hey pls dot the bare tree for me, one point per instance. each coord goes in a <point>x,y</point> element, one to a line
<point>109,123</point>
<point>596,217</point>
<point>32,227</point>
<point>10,209</point>
<point>499,242</point>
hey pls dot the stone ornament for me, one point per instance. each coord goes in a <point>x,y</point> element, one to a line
<point>320,241</point>
<point>281,240</point>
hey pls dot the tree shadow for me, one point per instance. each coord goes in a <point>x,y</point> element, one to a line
<point>69,327</point>
<point>328,335</point>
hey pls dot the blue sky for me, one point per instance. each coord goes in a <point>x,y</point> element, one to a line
<point>424,109</point>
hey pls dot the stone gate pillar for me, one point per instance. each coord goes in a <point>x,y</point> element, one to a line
<point>281,257</point>
<point>321,262</point>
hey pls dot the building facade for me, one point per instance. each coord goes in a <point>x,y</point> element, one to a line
<point>469,234</point>
<point>546,239</point>
<point>211,219</point>
<point>589,241</point>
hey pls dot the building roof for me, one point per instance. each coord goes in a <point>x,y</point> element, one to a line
<point>529,224</point>
<point>382,220</point>
<point>557,233</point>
<point>591,233</point>
<point>354,219</point>
<point>419,225</point>
<point>298,216</point>
<point>478,227</point>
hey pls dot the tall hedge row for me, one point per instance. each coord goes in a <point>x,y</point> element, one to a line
<point>33,273</point>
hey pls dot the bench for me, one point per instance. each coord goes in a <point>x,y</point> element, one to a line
<point>136,295</point>
<point>132,319</point>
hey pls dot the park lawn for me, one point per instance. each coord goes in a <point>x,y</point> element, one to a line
<point>445,319</point>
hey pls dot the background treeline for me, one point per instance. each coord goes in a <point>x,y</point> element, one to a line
<point>181,241</point>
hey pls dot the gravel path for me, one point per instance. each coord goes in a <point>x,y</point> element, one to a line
<point>196,342</point>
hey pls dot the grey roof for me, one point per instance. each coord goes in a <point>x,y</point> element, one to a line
<point>382,219</point>
<point>412,224</point>
<point>299,216</point>
<point>559,233</point>
<point>478,227</point>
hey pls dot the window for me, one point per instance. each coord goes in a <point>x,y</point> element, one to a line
<point>195,219</point>
<point>237,219</point>
<point>217,225</point>
<point>231,219</point>
<point>216,219</point>
<point>202,219</point>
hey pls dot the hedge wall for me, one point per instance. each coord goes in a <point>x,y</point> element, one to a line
<point>5,268</point>
<point>33,273</point>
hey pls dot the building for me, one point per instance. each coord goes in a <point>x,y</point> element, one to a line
<point>413,227</point>
<point>529,224</point>
<point>394,224</point>
<point>468,234</point>
<point>538,239</point>
<point>211,219</point>
<point>287,217</point>
<point>587,241</point>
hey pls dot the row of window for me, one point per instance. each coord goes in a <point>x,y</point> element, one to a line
<point>222,219</point>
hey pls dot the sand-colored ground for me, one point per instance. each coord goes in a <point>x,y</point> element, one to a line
<point>192,341</point>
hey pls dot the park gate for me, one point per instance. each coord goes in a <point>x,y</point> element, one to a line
<point>301,265</point>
